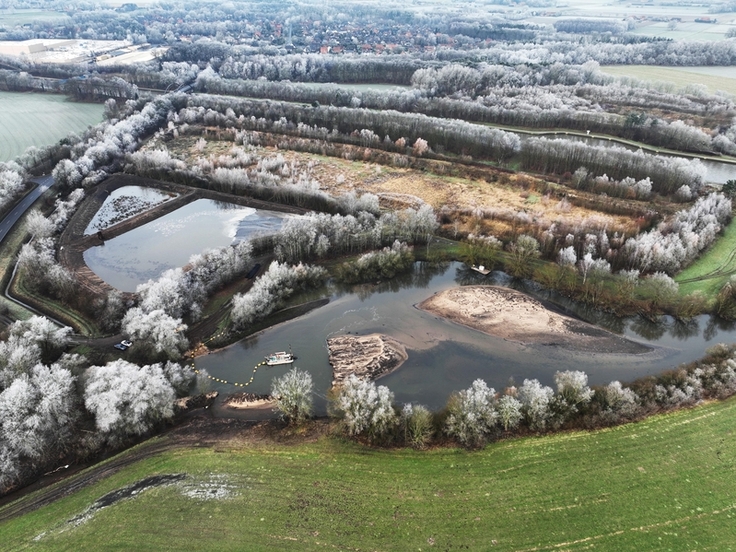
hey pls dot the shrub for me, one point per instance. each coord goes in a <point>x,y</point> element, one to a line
<point>417,425</point>
<point>293,394</point>
<point>472,414</point>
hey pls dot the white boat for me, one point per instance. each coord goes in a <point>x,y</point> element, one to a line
<point>281,357</point>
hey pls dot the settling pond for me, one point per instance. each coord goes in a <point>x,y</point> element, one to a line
<point>168,242</point>
<point>444,357</point>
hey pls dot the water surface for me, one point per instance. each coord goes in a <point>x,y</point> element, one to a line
<point>168,242</point>
<point>443,356</point>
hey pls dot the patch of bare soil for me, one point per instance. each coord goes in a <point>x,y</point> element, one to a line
<point>515,316</point>
<point>241,401</point>
<point>366,356</point>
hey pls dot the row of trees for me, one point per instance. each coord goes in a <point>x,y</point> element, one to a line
<point>667,174</point>
<point>452,135</point>
<point>517,96</point>
<point>478,414</point>
<point>271,289</point>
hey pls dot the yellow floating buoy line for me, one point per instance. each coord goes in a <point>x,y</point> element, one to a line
<point>219,380</point>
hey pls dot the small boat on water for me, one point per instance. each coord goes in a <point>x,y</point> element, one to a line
<point>281,357</point>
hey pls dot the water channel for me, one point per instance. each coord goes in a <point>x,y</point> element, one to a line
<point>443,356</point>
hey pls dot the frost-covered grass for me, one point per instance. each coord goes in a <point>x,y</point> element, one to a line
<point>712,269</point>
<point>666,482</point>
<point>28,119</point>
<point>679,77</point>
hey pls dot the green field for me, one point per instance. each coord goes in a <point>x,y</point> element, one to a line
<point>11,17</point>
<point>712,269</point>
<point>679,77</point>
<point>666,483</point>
<point>28,119</point>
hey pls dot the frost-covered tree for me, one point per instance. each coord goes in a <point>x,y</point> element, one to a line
<point>38,411</point>
<point>364,408</point>
<point>618,402</point>
<point>293,395</point>
<point>567,256</point>
<point>509,412</point>
<point>535,399</point>
<point>157,329</point>
<point>471,414</point>
<point>126,399</point>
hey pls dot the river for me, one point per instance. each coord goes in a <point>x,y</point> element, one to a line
<point>443,356</point>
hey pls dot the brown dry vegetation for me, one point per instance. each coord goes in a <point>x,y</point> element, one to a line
<point>462,191</point>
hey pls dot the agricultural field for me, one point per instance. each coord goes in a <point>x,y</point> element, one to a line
<point>687,30</point>
<point>28,119</point>
<point>715,79</point>
<point>713,268</point>
<point>663,483</point>
<point>10,18</point>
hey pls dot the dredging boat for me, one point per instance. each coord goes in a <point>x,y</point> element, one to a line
<point>282,357</point>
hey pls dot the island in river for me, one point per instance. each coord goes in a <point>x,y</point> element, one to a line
<point>515,316</point>
<point>366,356</point>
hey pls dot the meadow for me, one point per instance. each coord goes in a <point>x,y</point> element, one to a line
<point>12,17</point>
<point>662,483</point>
<point>711,270</point>
<point>678,77</point>
<point>28,119</point>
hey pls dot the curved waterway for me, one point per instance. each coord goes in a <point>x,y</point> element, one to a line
<point>443,356</point>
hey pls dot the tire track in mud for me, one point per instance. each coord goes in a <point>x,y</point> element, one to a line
<point>199,430</point>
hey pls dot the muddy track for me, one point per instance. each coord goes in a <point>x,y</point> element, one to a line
<point>198,430</point>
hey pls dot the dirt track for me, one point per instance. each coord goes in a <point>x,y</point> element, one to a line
<point>199,430</point>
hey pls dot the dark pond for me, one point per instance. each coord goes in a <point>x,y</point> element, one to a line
<point>444,357</point>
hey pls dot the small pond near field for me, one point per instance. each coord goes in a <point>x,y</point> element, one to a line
<point>168,242</point>
<point>445,357</point>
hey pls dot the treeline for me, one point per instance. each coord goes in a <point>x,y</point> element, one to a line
<point>443,134</point>
<point>479,414</point>
<point>557,107</point>
<point>558,156</point>
<point>586,26</point>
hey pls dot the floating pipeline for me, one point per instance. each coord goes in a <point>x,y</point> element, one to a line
<point>219,380</point>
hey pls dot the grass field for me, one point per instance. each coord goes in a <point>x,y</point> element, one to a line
<point>680,77</point>
<point>666,483</point>
<point>28,119</point>
<point>713,269</point>
<point>9,18</point>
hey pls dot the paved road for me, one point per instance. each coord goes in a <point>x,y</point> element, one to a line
<point>44,182</point>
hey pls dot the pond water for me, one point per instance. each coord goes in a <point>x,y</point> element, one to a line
<point>123,203</point>
<point>168,242</point>
<point>445,357</point>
